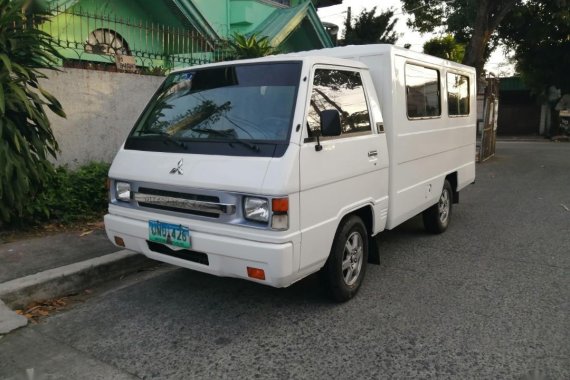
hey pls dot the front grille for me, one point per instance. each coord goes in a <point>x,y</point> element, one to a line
<point>185,254</point>
<point>176,209</point>
<point>175,194</point>
<point>178,195</point>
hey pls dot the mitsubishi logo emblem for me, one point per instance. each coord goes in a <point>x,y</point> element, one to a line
<point>178,168</point>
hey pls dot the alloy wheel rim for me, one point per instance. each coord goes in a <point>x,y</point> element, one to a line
<point>352,258</point>
<point>443,206</point>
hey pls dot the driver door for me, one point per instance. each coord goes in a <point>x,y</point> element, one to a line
<point>351,170</point>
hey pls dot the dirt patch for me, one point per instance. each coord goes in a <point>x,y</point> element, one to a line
<point>36,311</point>
<point>82,229</point>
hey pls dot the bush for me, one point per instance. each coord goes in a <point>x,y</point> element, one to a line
<point>71,196</point>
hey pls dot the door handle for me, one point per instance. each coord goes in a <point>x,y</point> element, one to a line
<point>373,153</point>
<point>380,127</point>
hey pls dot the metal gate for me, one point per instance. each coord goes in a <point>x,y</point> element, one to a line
<point>487,116</point>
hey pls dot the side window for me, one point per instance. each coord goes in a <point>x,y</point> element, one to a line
<point>342,91</point>
<point>422,91</point>
<point>457,94</point>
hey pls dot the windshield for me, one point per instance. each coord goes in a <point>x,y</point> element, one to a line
<point>230,108</point>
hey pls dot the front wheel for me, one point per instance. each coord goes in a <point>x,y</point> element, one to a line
<point>437,217</point>
<point>346,265</point>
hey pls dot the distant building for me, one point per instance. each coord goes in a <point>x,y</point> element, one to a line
<point>519,110</point>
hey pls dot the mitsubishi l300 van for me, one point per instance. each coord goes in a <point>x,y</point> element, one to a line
<point>274,168</point>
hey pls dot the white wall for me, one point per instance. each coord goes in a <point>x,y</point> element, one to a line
<point>101,109</point>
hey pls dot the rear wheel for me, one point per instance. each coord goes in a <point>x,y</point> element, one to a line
<point>346,265</point>
<point>437,217</point>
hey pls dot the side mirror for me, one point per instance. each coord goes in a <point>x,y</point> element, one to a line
<point>330,123</point>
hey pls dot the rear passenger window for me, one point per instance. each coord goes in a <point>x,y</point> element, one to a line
<point>457,94</point>
<point>342,91</point>
<point>422,92</point>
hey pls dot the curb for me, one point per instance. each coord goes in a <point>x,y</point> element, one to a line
<point>9,320</point>
<point>71,278</point>
<point>523,139</point>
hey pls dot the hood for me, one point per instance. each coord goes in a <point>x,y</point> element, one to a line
<point>228,173</point>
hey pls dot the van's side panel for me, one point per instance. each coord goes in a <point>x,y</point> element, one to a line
<point>426,150</point>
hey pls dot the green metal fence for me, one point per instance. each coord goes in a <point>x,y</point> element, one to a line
<point>83,37</point>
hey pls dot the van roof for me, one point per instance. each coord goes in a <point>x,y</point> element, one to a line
<point>354,51</point>
<point>340,56</point>
<point>314,58</point>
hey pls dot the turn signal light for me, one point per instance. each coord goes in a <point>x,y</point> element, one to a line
<point>280,204</point>
<point>258,274</point>
<point>119,241</point>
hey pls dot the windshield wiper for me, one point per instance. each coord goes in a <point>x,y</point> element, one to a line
<point>167,138</point>
<point>249,145</point>
<point>228,134</point>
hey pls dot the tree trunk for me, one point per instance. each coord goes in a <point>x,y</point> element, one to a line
<point>490,13</point>
<point>475,51</point>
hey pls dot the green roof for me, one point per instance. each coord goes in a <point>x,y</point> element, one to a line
<point>512,84</point>
<point>283,21</point>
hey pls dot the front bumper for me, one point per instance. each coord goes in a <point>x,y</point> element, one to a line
<point>227,256</point>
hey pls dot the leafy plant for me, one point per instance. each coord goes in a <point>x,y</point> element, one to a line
<point>159,71</point>
<point>370,28</point>
<point>27,140</point>
<point>537,34</point>
<point>252,46</point>
<point>445,47</point>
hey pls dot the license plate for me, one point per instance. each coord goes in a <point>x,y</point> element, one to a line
<point>167,233</point>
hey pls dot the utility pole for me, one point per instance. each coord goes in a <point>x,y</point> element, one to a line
<point>347,25</point>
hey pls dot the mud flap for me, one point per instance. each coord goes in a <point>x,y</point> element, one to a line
<point>373,251</point>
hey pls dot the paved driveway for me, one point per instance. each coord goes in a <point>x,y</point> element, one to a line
<point>487,299</point>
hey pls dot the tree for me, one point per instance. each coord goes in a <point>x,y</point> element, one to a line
<point>538,32</point>
<point>369,28</point>
<point>27,140</point>
<point>445,47</point>
<point>252,46</point>
<point>471,22</point>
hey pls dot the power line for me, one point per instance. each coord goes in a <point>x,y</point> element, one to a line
<point>333,15</point>
<point>421,6</point>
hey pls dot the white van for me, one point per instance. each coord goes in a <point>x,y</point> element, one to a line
<point>272,169</point>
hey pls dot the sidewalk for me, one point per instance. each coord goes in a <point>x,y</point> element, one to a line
<point>29,256</point>
<point>523,138</point>
<point>533,138</point>
<point>41,268</point>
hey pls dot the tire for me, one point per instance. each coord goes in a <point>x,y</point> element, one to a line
<point>346,265</point>
<point>437,217</point>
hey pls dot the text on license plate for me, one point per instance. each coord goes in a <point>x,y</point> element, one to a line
<point>167,233</point>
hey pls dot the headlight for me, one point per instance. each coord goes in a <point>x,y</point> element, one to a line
<point>123,191</point>
<point>256,209</point>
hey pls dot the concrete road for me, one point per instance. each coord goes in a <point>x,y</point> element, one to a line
<point>487,299</point>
